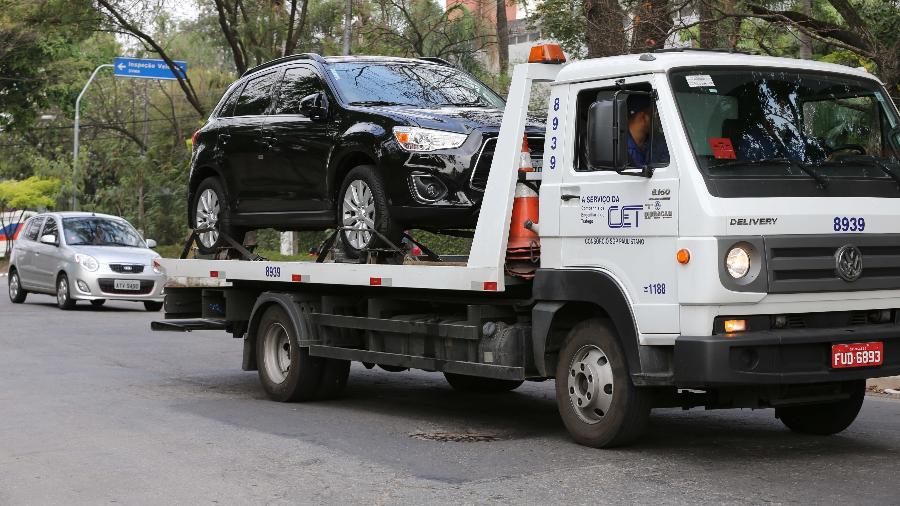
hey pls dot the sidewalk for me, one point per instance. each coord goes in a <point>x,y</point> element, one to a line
<point>879,385</point>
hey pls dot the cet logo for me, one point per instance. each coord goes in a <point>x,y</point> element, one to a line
<point>848,260</point>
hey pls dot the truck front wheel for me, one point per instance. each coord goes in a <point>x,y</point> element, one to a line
<point>825,419</point>
<point>465,383</point>
<point>597,401</point>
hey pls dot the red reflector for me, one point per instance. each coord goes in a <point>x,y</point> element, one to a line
<point>375,281</point>
<point>490,286</point>
<point>295,277</point>
<point>213,274</point>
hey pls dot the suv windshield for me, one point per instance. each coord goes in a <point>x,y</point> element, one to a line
<point>420,85</point>
<point>769,122</point>
<point>96,231</point>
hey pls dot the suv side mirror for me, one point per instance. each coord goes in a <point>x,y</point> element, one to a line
<point>314,106</point>
<point>49,239</point>
<point>606,140</point>
<point>150,243</point>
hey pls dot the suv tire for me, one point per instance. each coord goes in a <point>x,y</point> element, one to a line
<point>362,203</point>
<point>210,209</point>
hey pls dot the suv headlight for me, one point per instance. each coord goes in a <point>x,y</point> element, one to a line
<point>88,262</point>
<point>737,262</point>
<point>424,139</point>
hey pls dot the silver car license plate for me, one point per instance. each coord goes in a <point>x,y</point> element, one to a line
<point>132,285</point>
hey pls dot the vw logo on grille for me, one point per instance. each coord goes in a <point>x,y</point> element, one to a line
<point>848,260</point>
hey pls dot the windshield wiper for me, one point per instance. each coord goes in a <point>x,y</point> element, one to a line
<point>821,181</point>
<point>875,162</point>
<point>377,102</point>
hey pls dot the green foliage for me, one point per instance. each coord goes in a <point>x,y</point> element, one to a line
<point>31,193</point>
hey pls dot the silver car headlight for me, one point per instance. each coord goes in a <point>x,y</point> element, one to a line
<point>737,262</point>
<point>424,139</point>
<point>88,262</point>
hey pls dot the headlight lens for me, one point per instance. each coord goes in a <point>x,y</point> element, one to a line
<point>737,262</point>
<point>423,139</point>
<point>88,262</point>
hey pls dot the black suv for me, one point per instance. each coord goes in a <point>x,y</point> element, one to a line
<point>309,143</point>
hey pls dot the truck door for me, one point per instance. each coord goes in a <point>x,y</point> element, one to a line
<point>625,225</point>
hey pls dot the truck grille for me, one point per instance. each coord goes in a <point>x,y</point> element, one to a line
<point>807,264</point>
<point>107,286</point>
<point>127,268</point>
<point>482,166</point>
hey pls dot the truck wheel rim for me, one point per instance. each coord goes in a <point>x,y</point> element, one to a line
<point>13,286</point>
<point>62,291</point>
<point>277,353</point>
<point>358,213</point>
<point>590,384</point>
<point>207,216</point>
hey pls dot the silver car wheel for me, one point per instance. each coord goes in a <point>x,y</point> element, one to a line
<point>590,384</point>
<point>277,353</point>
<point>358,213</point>
<point>62,291</point>
<point>207,216</point>
<point>13,285</point>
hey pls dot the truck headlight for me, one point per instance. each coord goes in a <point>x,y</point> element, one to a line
<point>424,139</point>
<point>737,262</point>
<point>88,262</point>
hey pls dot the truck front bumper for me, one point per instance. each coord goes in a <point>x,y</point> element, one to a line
<point>779,357</point>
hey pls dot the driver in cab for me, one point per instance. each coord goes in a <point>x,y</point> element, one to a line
<point>644,148</point>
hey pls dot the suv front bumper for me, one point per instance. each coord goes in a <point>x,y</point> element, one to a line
<point>779,357</point>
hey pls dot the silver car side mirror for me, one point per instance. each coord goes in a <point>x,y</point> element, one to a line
<point>49,239</point>
<point>150,243</point>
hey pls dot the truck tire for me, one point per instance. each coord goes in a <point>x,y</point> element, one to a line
<point>363,203</point>
<point>17,294</point>
<point>597,401</point>
<point>286,371</point>
<point>827,418</point>
<point>465,383</point>
<point>334,378</point>
<point>210,209</point>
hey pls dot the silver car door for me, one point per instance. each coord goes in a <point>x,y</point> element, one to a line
<point>47,256</point>
<point>24,260</point>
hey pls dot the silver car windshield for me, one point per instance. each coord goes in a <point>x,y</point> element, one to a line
<point>774,122</point>
<point>95,231</point>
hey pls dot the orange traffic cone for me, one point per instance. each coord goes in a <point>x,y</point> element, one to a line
<point>523,250</point>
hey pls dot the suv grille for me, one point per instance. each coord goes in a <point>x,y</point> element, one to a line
<point>127,268</point>
<point>482,165</point>
<point>807,264</point>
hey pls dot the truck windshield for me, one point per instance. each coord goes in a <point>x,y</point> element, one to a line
<point>96,231</point>
<point>423,85</point>
<point>775,123</point>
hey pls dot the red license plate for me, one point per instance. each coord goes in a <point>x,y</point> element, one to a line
<point>857,355</point>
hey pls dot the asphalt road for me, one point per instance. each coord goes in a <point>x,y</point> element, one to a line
<point>95,408</point>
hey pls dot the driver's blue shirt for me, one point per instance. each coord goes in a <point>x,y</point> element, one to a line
<point>638,155</point>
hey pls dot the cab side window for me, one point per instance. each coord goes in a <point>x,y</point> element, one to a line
<point>298,83</point>
<point>643,135</point>
<point>256,96</point>
<point>50,228</point>
<point>33,227</point>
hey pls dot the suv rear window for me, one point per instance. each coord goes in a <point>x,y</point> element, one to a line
<point>257,96</point>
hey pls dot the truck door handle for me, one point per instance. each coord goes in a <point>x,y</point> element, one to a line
<point>568,196</point>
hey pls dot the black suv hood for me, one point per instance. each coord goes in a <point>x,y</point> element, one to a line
<point>452,119</point>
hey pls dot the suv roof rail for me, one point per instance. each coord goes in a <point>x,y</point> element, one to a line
<point>301,56</point>
<point>702,49</point>
<point>435,59</point>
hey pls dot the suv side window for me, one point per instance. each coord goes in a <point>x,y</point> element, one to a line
<point>50,228</point>
<point>256,96</point>
<point>298,83</point>
<point>228,105</point>
<point>33,227</point>
<point>652,150</point>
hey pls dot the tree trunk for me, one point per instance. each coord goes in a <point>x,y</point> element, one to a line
<point>502,37</point>
<point>805,39</point>
<point>710,36</point>
<point>605,28</point>
<point>348,19</point>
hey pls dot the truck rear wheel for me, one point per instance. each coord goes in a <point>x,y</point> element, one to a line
<point>597,401</point>
<point>465,383</point>
<point>828,418</point>
<point>286,370</point>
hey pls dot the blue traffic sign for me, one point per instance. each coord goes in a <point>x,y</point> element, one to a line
<point>146,68</point>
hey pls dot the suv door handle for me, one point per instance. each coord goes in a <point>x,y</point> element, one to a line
<point>268,141</point>
<point>223,138</point>
<point>568,196</point>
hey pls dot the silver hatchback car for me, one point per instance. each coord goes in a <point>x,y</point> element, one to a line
<point>84,256</point>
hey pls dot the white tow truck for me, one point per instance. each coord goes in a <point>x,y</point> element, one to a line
<point>735,246</point>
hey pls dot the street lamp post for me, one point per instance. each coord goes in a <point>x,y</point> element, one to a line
<point>75,148</point>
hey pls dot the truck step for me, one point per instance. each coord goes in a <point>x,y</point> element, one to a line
<point>187,325</point>
<point>428,364</point>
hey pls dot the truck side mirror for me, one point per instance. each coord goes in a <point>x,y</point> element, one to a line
<point>314,106</point>
<point>605,141</point>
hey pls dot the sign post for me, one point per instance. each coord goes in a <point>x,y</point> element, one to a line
<point>141,68</point>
